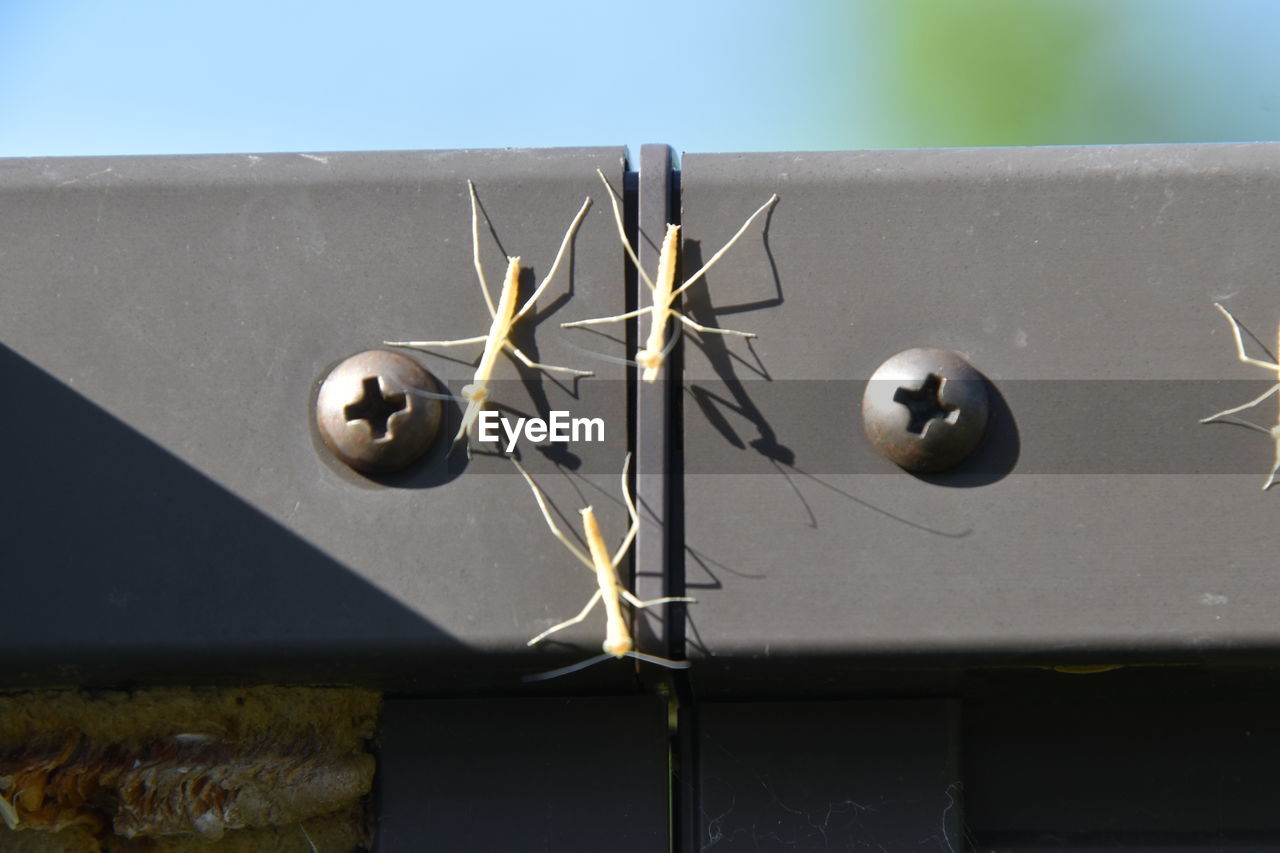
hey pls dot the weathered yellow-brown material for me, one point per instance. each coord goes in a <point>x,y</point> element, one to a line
<point>181,762</point>
<point>337,831</point>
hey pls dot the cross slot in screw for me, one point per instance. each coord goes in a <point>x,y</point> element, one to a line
<point>358,400</point>
<point>925,404</point>
<point>374,407</point>
<point>925,409</point>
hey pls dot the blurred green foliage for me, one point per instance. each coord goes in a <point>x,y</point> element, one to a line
<point>1043,72</point>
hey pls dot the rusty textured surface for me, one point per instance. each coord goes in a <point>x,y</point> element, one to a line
<point>182,762</point>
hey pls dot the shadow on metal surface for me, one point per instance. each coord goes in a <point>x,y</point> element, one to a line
<point>124,565</point>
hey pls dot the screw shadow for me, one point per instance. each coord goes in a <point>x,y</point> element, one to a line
<point>996,455</point>
<point>767,442</point>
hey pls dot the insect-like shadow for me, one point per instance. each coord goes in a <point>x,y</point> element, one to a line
<point>731,401</point>
<point>512,332</point>
<point>722,360</point>
<point>524,336</point>
<point>766,442</point>
<point>1257,340</point>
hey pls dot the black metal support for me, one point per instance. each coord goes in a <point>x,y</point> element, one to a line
<point>656,633</point>
<point>869,775</point>
<point>565,774</point>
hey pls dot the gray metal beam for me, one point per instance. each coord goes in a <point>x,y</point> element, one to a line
<point>169,511</point>
<point>1099,521</point>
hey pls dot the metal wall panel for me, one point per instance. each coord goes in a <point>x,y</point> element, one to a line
<point>523,774</point>
<point>169,511</point>
<point>810,776</point>
<point>1098,518</point>
<point>1140,759</point>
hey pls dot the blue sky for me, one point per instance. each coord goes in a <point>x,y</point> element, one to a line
<point>149,78</point>
<point>156,78</point>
